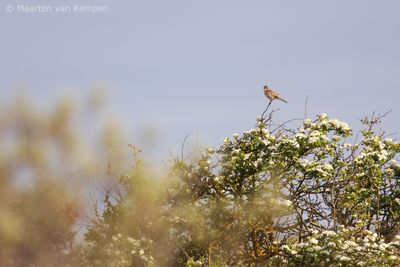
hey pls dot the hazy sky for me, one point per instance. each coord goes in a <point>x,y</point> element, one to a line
<point>198,67</point>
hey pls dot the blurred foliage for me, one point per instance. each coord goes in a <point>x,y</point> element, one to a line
<point>47,165</point>
<point>272,196</point>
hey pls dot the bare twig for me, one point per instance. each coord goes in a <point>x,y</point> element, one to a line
<point>183,146</point>
<point>284,123</point>
<point>262,115</point>
<point>71,176</point>
<point>306,107</point>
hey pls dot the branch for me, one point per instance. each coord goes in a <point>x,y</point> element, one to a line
<point>262,115</point>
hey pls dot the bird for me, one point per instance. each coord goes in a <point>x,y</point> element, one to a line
<point>272,95</point>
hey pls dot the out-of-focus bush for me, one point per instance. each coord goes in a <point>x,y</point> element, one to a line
<point>48,162</point>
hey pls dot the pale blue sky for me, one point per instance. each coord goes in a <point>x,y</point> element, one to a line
<point>198,67</point>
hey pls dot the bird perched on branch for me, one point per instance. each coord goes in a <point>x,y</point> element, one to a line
<point>272,95</point>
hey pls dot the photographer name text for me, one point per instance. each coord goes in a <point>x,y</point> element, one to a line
<point>56,9</point>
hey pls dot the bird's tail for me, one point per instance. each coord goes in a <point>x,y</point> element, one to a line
<point>283,100</point>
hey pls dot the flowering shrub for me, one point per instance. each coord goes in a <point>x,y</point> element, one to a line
<point>314,195</point>
<point>278,196</point>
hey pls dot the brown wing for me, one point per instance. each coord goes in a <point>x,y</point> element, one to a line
<point>275,95</point>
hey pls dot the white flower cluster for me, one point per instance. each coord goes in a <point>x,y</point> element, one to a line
<point>322,169</point>
<point>378,150</point>
<point>281,202</point>
<point>371,154</point>
<point>337,249</point>
<point>326,124</point>
<point>315,136</point>
<point>122,251</point>
<point>195,263</point>
<point>393,163</point>
<point>292,142</point>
